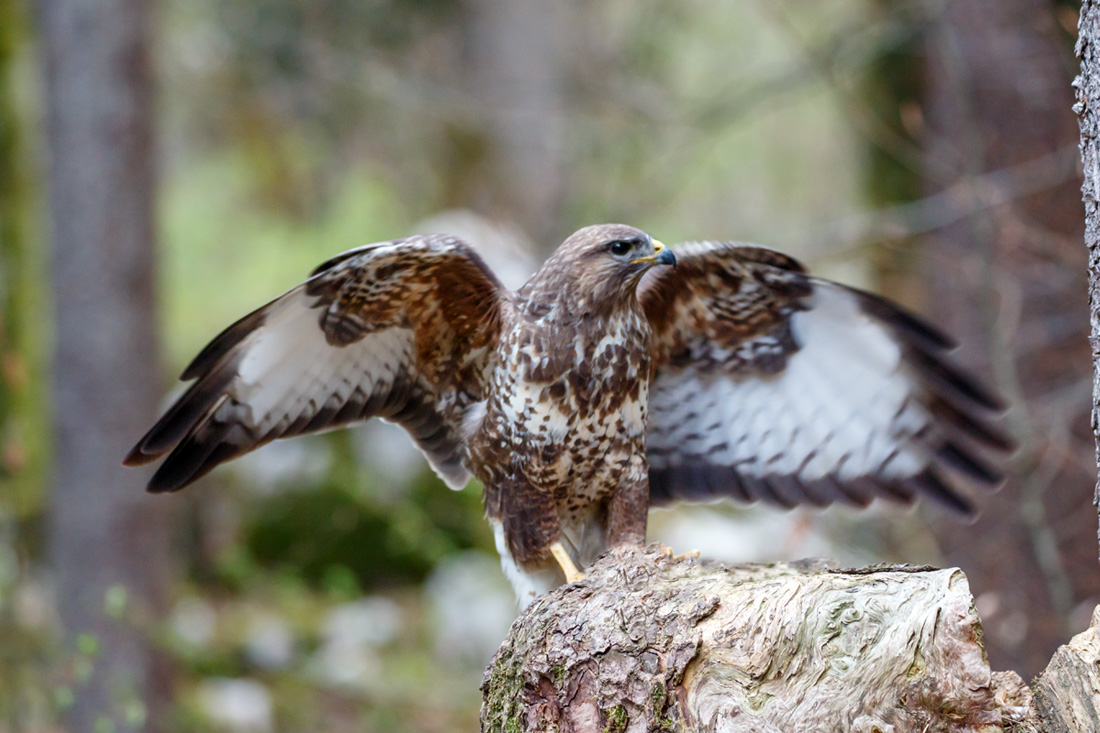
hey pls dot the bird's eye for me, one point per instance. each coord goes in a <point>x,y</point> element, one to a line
<point>621,247</point>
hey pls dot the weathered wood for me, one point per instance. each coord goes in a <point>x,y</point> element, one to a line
<point>649,643</point>
<point>1087,107</point>
<point>1067,694</point>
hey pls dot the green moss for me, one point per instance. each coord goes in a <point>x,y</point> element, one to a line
<point>616,720</point>
<point>657,697</point>
<point>558,672</point>
<point>658,703</point>
<point>502,695</point>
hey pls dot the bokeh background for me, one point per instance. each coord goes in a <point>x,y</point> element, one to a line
<point>925,149</point>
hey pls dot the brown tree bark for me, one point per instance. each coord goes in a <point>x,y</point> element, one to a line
<point>649,643</point>
<point>107,541</point>
<point>1088,116</point>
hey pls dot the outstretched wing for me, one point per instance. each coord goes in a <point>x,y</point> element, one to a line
<point>403,330</point>
<point>773,385</point>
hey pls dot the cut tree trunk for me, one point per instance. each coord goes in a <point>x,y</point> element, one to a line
<point>651,643</point>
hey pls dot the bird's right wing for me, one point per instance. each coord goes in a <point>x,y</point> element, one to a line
<point>774,385</point>
<point>403,330</point>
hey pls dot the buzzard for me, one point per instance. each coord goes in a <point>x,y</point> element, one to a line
<point>619,377</point>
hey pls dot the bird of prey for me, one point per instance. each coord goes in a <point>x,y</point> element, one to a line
<point>619,377</point>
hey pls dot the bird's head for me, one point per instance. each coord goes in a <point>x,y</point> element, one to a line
<point>599,265</point>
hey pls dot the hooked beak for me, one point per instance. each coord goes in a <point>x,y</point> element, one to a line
<point>662,255</point>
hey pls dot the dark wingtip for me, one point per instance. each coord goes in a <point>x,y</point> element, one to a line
<point>162,482</point>
<point>221,344</point>
<point>162,485</point>
<point>905,322</point>
<point>930,484</point>
<point>992,434</point>
<point>970,464</point>
<point>927,347</point>
<point>954,381</point>
<point>138,457</point>
<point>191,460</point>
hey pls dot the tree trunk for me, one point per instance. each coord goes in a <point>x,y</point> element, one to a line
<point>649,643</point>
<point>107,542</point>
<point>1088,115</point>
<point>517,53</point>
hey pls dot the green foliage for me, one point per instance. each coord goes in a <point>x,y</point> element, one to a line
<point>26,695</point>
<point>228,254</point>
<point>23,410</point>
<point>324,535</point>
<point>892,87</point>
<point>339,537</point>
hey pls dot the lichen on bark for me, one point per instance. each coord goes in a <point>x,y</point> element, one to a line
<point>648,643</point>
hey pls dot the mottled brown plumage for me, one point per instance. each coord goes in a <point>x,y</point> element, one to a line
<point>561,446</point>
<point>604,385</point>
<point>777,386</point>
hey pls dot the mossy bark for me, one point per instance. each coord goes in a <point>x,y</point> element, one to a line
<point>649,643</point>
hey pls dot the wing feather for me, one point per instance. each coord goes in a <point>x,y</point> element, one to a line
<point>773,385</point>
<point>400,330</point>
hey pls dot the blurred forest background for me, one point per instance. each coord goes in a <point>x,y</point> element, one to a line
<point>190,160</point>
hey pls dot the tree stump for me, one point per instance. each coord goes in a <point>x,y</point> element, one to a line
<point>652,643</point>
<point>1067,694</point>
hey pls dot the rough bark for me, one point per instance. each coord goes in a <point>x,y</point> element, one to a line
<point>107,541</point>
<point>1067,694</point>
<point>650,643</point>
<point>1088,116</point>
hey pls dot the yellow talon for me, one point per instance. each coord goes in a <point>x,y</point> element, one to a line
<point>572,575</point>
<point>670,553</point>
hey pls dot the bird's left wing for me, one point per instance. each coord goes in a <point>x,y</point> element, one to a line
<point>403,330</point>
<point>773,385</point>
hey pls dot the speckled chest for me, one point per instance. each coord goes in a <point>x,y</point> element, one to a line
<point>567,407</point>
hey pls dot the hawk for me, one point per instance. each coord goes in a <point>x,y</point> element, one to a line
<point>619,377</point>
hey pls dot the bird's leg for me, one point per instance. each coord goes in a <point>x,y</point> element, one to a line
<point>627,513</point>
<point>571,573</point>
<point>531,525</point>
